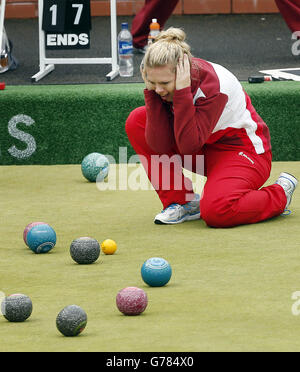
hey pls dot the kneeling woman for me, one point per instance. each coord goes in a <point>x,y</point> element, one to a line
<point>195,108</point>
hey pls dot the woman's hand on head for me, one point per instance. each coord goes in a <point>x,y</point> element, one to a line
<point>183,73</point>
<point>148,85</point>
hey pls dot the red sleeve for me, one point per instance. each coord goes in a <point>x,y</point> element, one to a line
<point>193,124</point>
<point>159,132</point>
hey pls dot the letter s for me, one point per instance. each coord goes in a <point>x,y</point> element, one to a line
<point>22,136</point>
<point>83,39</point>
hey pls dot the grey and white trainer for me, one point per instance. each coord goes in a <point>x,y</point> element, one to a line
<point>289,184</point>
<point>177,213</point>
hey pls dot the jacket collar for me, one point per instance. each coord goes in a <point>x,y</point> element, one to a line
<point>195,75</point>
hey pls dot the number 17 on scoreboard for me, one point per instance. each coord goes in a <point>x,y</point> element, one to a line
<point>67,24</point>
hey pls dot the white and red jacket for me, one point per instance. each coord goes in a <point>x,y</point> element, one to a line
<point>213,110</point>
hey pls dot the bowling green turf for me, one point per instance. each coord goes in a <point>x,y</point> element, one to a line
<point>231,289</point>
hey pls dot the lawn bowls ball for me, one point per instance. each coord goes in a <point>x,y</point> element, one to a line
<point>28,227</point>
<point>16,307</point>
<point>156,272</point>
<point>109,246</point>
<point>95,167</point>
<point>131,301</point>
<point>71,320</point>
<point>41,238</point>
<point>85,250</point>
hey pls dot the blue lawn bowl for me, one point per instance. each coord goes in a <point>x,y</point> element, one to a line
<point>41,238</point>
<point>156,272</point>
<point>95,167</point>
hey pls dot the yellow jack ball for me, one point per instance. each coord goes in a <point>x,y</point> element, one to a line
<point>109,246</point>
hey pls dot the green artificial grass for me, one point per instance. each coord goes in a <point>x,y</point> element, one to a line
<point>67,122</point>
<point>230,290</point>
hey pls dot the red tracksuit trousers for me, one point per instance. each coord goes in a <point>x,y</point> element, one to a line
<point>233,193</point>
<point>159,9</point>
<point>290,11</point>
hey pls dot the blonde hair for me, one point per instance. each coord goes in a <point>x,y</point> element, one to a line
<point>168,47</point>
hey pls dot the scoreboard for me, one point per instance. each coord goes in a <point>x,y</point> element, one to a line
<point>67,24</point>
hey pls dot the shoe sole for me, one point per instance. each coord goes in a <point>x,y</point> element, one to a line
<point>294,181</point>
<point>186,218</point>
<point>290,177</point>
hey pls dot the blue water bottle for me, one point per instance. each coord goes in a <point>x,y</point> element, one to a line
<point>125,51</point>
